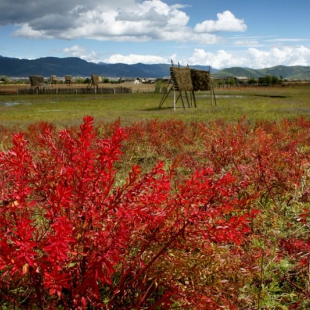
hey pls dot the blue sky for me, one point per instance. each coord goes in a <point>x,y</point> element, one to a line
<point>219,33</point>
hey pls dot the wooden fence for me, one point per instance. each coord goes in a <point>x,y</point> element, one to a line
<point>66,90</point>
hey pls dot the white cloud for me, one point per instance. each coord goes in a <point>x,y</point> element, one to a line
<point>81,52</point>
<point>133,59</point>
<point>116,20</point>
<point>220,59</point>
<point>226,22</point>
<point>27,32</point>
<point>289,56</point>
<point>252,58</point>
<point>286,40</point>
<point>246,43</point>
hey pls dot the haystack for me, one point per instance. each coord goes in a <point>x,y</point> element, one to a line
<point>53,79</point>
<point>94,80</point>
<point>36,80</point>
<point>201,80</point>
<point>181,78</point>
<point>68,79</point>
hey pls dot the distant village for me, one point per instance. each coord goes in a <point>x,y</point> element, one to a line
<point>217,80</point>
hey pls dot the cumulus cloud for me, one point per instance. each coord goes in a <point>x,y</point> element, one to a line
<point>27,32</point>
<point>252,58</point>
<point>117,20</point>
<point>226,22</point>
<point>83,53</point>
<point>289,56</point>
<point>134,58</point>
<point>220,59</point>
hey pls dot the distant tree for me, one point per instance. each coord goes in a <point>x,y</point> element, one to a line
<point>269,80</point>
<point>87,81</point>
<point>252,81</point>
<point>4,79</point>
<point>80,80</point>
<point>160,86</point>
<point>275,80</point>
<point>265,81</point>
<point>220,83</point>
<point>231,81</point>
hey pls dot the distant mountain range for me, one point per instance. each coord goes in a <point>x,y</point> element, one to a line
<point>285,72</point>
<point>14,67</point>
<point>47,66</point>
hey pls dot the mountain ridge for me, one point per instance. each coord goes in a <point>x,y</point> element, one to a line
<point>47,66</point>
<point>283,72</point>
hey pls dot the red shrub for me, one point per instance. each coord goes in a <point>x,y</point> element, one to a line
<point>70,236</point>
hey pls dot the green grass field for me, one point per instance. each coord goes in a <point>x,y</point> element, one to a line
<point>232,104</point>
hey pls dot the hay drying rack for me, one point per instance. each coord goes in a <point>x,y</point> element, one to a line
<point>185,82</point>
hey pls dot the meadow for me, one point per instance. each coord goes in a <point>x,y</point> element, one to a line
<point>259,103</point>
<point>109,202</point>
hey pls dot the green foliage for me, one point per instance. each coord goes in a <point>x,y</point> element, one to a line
<point>80,80</point>
<point>161,86</point>
<point>4,79</point>
<point>231,81</point>
<point>269,80</point>
<point>252,81</point>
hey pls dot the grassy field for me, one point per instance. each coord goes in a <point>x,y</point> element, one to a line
<point>222,220</point>
<point>260,103</point>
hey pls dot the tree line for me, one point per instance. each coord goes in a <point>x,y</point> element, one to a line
<point>268,80</point>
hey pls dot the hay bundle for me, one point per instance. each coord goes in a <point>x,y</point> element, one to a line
<point>201,80</point>
<point>94,80</point>
<point>181,78</point>
<point>68,79</point>
<point>53,79</point>
<point>36,80</point>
